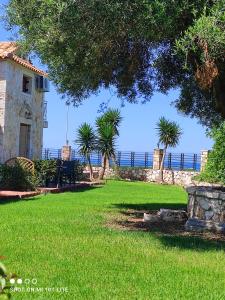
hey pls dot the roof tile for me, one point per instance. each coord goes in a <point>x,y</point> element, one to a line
<point>8,51</point>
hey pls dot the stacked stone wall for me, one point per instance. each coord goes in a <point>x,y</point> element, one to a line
<point>183,178</point>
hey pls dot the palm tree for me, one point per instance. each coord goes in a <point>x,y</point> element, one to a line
<point>169,133</point>
<point>113,117</point>
<point>106,144</point>
<point>86,141</point>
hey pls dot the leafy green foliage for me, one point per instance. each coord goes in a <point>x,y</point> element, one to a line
<point>103,141</point>
<point>4,283</point>
<point>106,140</point>
<point>111,116</point>
<point>215,167</point>
<point>86,139</point>
<point>108,129</point>
<point>169,132</point>
<point>72,171</point>
<point>45,171</point>
<point>196,103</point>
<point>127,45</point>
<point>16,178</point>
<point>209,28</point>
<point>202,49</point>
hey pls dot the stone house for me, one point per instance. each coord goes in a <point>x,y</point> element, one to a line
<point>22,105</point>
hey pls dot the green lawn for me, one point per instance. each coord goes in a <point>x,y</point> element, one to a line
<point>62,240</point>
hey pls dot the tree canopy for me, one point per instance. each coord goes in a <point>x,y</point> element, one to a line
<point>137,47</point>
<point>215,167</point>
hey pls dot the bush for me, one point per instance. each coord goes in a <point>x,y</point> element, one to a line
<point>47,171</point>
<point>15,178</point>
<point>4,283</point>
<point>73,170</point>
<point>215,168</point>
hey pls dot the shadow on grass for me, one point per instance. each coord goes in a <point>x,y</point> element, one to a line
<point>197,242</point>
<point>13,199</point>
<point>83,189</point>
<point>9,200</point>
<point>171,235</point>
<point>150,206</point>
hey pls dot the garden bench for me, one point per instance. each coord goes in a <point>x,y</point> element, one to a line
<point>23,162</point>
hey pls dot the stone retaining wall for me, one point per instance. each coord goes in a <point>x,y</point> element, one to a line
<point>183,178</point>
<point>206,208</point>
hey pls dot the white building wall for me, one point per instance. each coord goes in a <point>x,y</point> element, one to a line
<point>14,104</point>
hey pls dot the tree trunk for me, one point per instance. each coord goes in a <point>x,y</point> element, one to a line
<point>90,168</point>
<point>162,166</point>
<point>117,173</point>
<point>102,171</point>
<point>219,93</point>
<point>172,173</point>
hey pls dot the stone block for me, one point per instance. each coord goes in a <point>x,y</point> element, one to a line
<point>150,218</point>
<point>209,215</point>
<point>204,204</point>
<point>194,224</point>
<point>170,215</point>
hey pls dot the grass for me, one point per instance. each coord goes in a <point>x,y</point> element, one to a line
<point>62,240</point>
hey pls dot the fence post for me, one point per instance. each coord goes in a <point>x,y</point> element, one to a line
<point>195,162</point>
<point>73,155</point>
<point>146,159</point>
<point>119,158</point>
<point>182,161</point>
<point>47,154</point>
<point>66,153</point>
<point>132,159</point>
<point>157,158</point>
<point>170,161</point>
<point>59,153</point>
<point>204,159</point>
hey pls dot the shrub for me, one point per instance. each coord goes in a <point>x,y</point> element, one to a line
<point>72,171</point>
<point>4,283</point>
<point>16,178</point>
<point>47,171</point>
<point>215,168</point>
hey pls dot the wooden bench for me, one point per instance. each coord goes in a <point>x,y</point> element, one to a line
<point>23,162</point>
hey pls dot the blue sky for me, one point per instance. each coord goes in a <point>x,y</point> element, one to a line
<point>137,131</point>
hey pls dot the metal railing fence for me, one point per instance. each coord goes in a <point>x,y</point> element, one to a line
<point>175,161</point>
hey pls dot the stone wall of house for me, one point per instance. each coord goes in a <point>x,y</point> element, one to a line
<point>17,107</point>
<point>183,178</point>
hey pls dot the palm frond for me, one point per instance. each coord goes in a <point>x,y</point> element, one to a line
<point>86,139</point>
<point>169,132</point>
<point>111,116</point>
<point>106,140</point>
